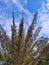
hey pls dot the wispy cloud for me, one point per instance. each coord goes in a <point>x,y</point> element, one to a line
<point>47,4</point>
<point>6,22</point>
<point>43,15</point>
<point>23,10</point>
<point>43,19</point>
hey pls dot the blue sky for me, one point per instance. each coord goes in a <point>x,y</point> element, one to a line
<point>25,8</point>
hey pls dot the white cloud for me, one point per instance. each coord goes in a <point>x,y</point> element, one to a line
<point>22,9</point>
<point>43,19</point>
<point>6,23</point>
<point>25,1</point>
<point>28,16</point>
<point>6,1</point>
<point>43,16</point>
<point>47,4</point>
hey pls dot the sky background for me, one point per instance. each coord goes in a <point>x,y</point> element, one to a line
<point>25,8</point>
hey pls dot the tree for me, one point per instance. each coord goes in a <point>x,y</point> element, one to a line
<point>13,42</point>
<point>29,39</point>
<point>19,49</point>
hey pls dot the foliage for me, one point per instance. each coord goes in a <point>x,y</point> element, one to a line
<point>44,63</point>
<point>19,49</point>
